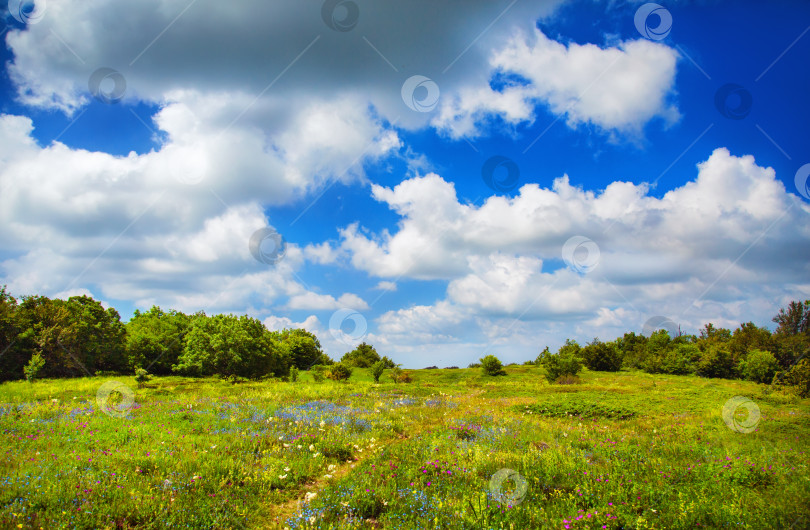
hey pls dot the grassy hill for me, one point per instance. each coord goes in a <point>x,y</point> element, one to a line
<point>453,449</point>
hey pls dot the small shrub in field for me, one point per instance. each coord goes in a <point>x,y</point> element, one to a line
<point>142,377</point>
<point>318,376</point>
<point>377,370</point>
<point>34,367</point>
<point>474,365</point>
<point>339,452</point>
<point>430,368</point>
<point>293,374</point>
<point>466,432</point>
<point>451,368</point>
<point>759,366</point>
<point>339,372</point>
<point>568,379</point>
<point>565,362</point>
<point>490,365</point>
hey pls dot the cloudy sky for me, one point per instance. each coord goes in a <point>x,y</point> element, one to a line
<point>450,178</point>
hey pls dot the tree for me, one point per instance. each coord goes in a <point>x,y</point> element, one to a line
<point>303,347</point>
<point>491,366</point>
<point>794,319</point>
<point>230,345</point>
<point>155,339</point>
<point>12,355</point>
<point>377,370</point>
<point>34,367</point>
<point>363,356</point>
<point>715,361</point>
<point>76,336</point>
<point>142,377</point>
<point>633,349</point>
<point>602,356</point>
<point>759,366</point>
<point>565,363</point>
<point>749,337</point>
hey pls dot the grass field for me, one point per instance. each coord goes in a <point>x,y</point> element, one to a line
<point>453,449</point>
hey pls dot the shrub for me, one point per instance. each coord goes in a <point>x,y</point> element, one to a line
<point>474,365</point>
<point>567,379</point>
<point>798,377</point>
<point>339,372</point>
<point>565,362</point>
<point>430,368</point>
<point>399,376</point>
<point>142,377</point>
<point>377,370</point>
<point>491,366</point>
<point>451,368</point>
<point>759,366</point>
<point>34,367</point>
<point>317,374</point>
<point>602,356</point>
<point>716,361</point>
<point>293,374</point>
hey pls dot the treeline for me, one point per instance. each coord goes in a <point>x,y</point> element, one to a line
<point>43,337</point>
<point>748,352</point>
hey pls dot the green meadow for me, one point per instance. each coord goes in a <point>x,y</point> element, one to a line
<point>451,449</point>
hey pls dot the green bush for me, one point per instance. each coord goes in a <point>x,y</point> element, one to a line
<point>716,361</point>
<point>339,372</point>
<point>491,366</point>
<point>34,367</point>
<point>602,356</point>
<point>759,366</point>
<point>142,376</point>
<point>798,377</point>
<point>565,363</point>
<point>363,356</point>
<point>377,370</point>
<point>293,374</point>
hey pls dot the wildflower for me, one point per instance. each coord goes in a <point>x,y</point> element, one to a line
<point>331,467</point>
<point>310,495</point>
<point>282,477</point>
<point>311,447</point>
<point>286,469</point>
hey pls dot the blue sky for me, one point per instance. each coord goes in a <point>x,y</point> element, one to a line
<point>651,163</point>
